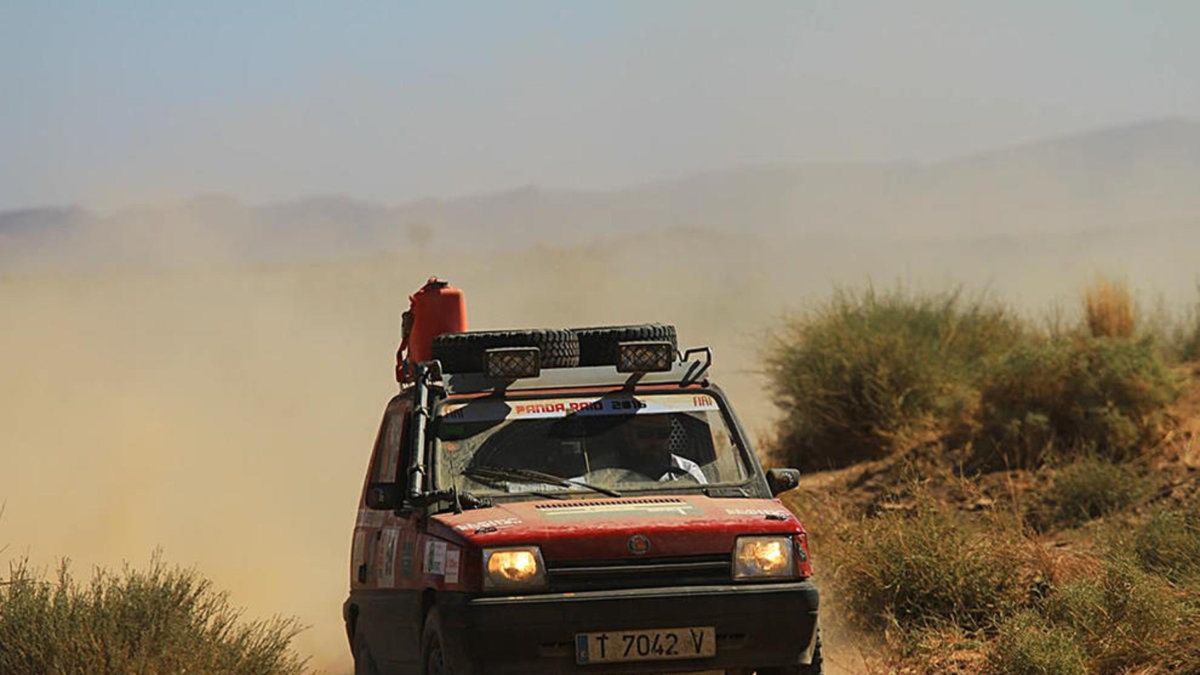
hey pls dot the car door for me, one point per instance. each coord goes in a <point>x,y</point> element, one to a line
<point>394,565</point>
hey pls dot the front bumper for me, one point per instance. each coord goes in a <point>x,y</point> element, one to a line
<point>757,625</point>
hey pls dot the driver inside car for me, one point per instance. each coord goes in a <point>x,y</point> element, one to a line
<point>647,449</point>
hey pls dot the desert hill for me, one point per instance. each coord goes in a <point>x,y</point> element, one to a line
<point>1134,178</point>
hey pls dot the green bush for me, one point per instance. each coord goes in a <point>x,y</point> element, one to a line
<point>1103,395</point>
<point>1125,617</point>
<point>924,570</point>
<point>1090,488</point>
<point>1169,544</point>
<point>157,621</point>
<point>856,373</point>
<point>1027,644</point>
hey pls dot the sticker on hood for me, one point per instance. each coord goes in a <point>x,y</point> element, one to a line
<point>485,524</point>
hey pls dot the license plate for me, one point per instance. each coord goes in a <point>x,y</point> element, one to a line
<point>659,644</point>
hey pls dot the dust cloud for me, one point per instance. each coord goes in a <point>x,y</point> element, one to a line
<point>225,413</point>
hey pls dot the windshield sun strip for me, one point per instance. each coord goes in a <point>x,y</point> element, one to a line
<point>737,433</point>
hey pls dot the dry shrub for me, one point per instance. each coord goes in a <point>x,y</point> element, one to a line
<point>1108,309</point>
<point>1169,544</point>
<point>868,372</point>
<point>1125,618</point>
<point>1027,644</point>
<point>926,569</point>
<point>1086,489</point>
<point>855,374</point>
<point>947,589</point>
<point>156,621</point>
<point>943,648</point>
<point>1105,396</point>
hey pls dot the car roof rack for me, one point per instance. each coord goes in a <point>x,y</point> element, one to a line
<point>691,369</point>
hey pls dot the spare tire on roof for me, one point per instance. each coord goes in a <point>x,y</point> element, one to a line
<point>598,345</point>
<point>463,352</point>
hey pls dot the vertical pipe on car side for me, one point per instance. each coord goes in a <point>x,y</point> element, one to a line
<point>420,418</point>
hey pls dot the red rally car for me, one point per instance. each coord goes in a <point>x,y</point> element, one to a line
<point>573,501</point>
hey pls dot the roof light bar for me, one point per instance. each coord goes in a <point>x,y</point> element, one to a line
<point>512,362</point>
<point>645,357</point>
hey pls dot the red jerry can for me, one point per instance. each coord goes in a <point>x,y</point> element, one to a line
<point>436,308</point>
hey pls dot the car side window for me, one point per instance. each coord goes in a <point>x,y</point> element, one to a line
<point>391,455</point>
<point>400,439</point>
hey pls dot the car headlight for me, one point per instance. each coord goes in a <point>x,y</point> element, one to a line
<point>763,558</point>
<point>513,568</point>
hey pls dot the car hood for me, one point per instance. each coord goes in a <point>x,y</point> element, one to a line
<point>597,529</point>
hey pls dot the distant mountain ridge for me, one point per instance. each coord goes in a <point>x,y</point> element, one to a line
<point>1137,176</point>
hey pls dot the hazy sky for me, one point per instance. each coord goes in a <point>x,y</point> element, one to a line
<point>117,102</point>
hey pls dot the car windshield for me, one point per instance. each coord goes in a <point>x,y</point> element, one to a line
<point>613,443</point>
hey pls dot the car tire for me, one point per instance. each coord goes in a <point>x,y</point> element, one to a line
<point>814,668</point>
<point>598,345</point>
<point>364,663</point>
<point>463,352</point>
<point>438,658</point>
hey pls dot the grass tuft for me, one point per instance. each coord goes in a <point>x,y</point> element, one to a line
<point>1169,544</point>
<point>924,570</point>
<point>1089,488</point>
<point>1125,617</point>
<point>1108,309</point>
<point>1105,396</point>
<point>869,372</point>
<point>869,367</point>
<point>157,620</point>
<point>1027,644</point>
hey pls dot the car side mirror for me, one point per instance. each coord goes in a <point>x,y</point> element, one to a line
<point>782,480</point>
<point>383,496</point>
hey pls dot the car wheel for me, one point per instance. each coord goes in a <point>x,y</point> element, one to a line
<point>463,352</point>
<point>598,346</point>
<point>435,658</point>
<point>364,663</point>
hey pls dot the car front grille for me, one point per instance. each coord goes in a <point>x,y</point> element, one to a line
<point>593,575</point>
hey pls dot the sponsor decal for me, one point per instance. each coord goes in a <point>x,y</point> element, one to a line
<point>408,550</point>
<point>479,411</point>
<point>387,572</point>
<point>435,557</point>
<point>526,409</point>
<point>452,565</point>
<point>484,524</point>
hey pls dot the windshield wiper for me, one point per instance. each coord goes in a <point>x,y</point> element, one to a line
<point>509,473</point>
<point>484,474</point>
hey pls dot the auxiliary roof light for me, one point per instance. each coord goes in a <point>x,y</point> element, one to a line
<point>512,362</point>
<point>645,357</point>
